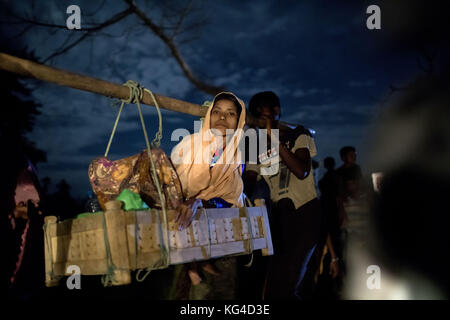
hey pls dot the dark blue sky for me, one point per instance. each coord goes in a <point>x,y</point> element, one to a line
<point>332,74</point>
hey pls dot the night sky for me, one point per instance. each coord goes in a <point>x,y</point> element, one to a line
<point>331,73</point>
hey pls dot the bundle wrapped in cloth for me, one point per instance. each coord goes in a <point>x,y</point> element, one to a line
<point>109,178</point>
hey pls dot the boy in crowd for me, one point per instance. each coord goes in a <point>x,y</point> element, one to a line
<point>296,215</point>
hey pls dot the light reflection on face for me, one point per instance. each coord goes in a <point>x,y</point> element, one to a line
<point>224,116</point>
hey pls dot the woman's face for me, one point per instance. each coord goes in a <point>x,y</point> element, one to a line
<point>224,116</point>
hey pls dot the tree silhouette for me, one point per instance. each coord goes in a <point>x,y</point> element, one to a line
<point>165,20</point>
<point>17,117</point>
<point>61,203</point>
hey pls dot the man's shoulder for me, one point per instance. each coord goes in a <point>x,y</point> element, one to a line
<point>299,131</point>
<point>297,136</point>
<point>302,130</point>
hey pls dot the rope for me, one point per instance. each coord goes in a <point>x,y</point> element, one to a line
<point>250,239</point>
<point>114,129</point>
<point>108,278</point>
<point>158,135</point>
<point>136,248</point>
<point>209,231</point>
<point>250,231</point>
<point>50,249</point>
<point>205,104</point>
<point>165,249</point>
<point>135,96</point>
<point>147,272</point>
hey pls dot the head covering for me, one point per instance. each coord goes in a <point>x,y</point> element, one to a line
<point>27,186</point>
<point>192,159</point>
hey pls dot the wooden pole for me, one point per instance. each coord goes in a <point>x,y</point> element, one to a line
<point>70,79</point>
<point>77,81</point>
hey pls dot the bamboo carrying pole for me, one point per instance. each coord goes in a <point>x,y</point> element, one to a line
<point>77,81</point>
<point>70,79</point>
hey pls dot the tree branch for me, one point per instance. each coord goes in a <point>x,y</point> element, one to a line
<point>174,29</point>
<point>116,18</point>
<point>67,48</point>
<point>174,51</point>
<point>180,20</point>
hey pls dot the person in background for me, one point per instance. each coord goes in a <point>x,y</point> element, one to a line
<point>328,256</point>
<point>329,192</point>
<point>410,145</point>
<point>296,212</point>
<point>25,256</point>
<point>349,174</point>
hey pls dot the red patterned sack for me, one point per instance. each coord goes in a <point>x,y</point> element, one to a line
<point>108,179</point>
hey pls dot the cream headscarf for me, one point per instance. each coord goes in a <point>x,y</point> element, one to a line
<point>192,157</point>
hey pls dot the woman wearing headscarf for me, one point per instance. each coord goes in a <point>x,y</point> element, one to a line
<point>209,166</point>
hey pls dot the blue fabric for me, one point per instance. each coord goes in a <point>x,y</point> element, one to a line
<point>216,157</point>
<point>219,203</point>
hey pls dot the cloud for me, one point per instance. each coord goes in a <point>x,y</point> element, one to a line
<point>330,139</point>
<point>229,80</point>
<point>297,93</point>
<point>339,113</point>
<point>273,27</point>
<point>360,84</point>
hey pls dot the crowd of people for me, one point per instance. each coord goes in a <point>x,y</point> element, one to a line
<point>308,231</point>
<point>307,221</point>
